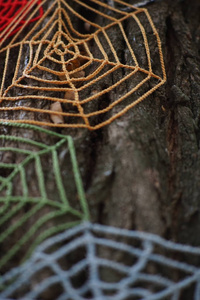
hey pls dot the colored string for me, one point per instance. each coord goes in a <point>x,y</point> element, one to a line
<point>113,263</point>
<point>23,206</point>
<point>11,11</point>
<point>62,65</point>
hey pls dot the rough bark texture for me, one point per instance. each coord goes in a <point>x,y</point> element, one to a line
<point>143,171</point>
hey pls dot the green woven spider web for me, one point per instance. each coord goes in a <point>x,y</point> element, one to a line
<point>27,218</point>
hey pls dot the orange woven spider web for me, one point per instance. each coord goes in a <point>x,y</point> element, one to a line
<point>56,60</point>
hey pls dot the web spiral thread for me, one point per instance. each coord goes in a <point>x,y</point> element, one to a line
<point>57,61</point>
<point>31,211</point>
<point>149,270</point>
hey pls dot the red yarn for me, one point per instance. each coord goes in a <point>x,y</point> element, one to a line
<point>9,9</point>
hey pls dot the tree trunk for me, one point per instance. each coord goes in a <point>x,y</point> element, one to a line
<point>142,171</point>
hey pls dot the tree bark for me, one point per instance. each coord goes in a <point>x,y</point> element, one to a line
<point>142,171</point>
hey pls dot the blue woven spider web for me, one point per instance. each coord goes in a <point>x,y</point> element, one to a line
<point>149,270</point>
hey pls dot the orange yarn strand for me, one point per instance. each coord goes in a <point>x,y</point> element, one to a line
<point>52,61</point>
